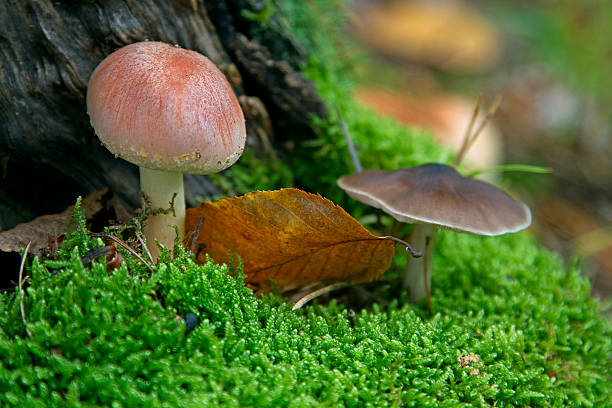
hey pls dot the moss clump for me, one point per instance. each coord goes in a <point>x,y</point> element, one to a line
<point>114,338</point>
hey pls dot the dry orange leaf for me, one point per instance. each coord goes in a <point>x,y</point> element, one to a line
<point>41,232</point>
<point>289,235</point>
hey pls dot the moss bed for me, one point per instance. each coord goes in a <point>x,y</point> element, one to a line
<point>510,324</point>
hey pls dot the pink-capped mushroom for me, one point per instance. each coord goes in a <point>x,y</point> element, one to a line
<point>169,111</point>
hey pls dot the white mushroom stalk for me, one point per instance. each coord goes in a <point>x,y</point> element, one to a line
<point>162,188</point>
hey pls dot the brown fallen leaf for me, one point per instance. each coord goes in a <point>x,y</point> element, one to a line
<point>289,235</point>
<point>44,230</point>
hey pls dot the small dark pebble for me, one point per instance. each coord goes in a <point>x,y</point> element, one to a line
<point>191,321</point>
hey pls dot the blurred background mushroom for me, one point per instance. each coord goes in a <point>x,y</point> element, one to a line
<point>446,116</point>
<point>447,35</point>
<point>551,64</point>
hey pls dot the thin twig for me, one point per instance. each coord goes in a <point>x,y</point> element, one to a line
<point>196,234</point>
<point>319,292</point>
<point>23,317</point>
<point>144,246</point>
<point>127,248</point>
<point>468,132</point>
<point>487,119</point>
<point>410,249</point>
<point>349,142</point>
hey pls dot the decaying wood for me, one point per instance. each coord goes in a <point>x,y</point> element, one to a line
<point>49,154</point>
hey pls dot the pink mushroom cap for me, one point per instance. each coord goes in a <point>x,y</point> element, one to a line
<point>166,108</point>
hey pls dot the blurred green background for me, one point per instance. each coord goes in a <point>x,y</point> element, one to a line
<point>424,62</point>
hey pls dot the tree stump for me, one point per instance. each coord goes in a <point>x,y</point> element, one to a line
<point>49,153</point>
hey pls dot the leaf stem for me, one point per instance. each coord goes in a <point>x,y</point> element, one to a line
<point>409,248</point>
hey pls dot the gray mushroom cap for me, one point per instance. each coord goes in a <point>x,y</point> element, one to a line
<point>437,194</point>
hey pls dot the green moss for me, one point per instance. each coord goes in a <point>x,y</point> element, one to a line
<point>101,338</point>
<point>115,339</point>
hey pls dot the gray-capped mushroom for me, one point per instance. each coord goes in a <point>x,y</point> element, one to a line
<point>433,196</point>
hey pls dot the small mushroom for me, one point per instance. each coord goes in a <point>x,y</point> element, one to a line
<point>170,111</point>
<point>436,196</point>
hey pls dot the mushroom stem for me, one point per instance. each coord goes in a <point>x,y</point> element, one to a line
<point>428,262</point>
<point>417,279</point>
<point>160,187</point>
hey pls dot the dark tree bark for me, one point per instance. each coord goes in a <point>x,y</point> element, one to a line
<point>49,154</point>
